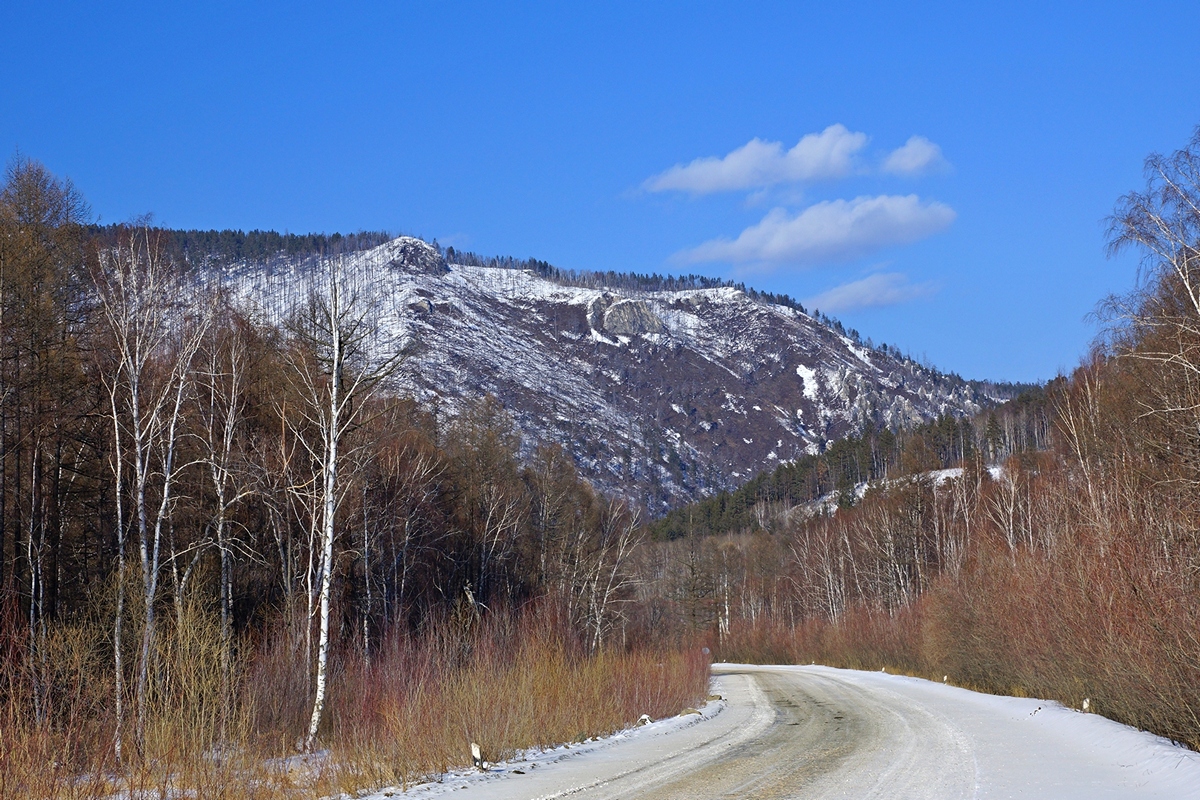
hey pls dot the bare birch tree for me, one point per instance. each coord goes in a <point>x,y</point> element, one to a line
<point>1161,322</point>
<point>609,577</point>
<point>338,363</point>
<point>219,421</point>
<point>1164,223</point>
<point>155,333</point>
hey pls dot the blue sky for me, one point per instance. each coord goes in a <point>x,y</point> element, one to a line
<point>669,138</point>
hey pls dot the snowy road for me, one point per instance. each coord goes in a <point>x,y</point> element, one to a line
<point>816,732</point>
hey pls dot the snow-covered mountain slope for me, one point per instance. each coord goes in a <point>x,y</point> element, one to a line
<point>660,395</point>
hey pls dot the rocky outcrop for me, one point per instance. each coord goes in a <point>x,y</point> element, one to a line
<point>632,318</point>
<point>596,309</point>
<point>414,255</point>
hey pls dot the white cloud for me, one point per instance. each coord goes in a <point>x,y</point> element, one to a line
<point>916,156</point>
<point>757,164</point>
<point>834,230</point>
<point>883,289</point>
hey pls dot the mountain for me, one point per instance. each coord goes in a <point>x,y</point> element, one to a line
<point>665,395</point>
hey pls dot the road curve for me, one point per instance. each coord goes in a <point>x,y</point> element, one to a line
<point>816,732</point>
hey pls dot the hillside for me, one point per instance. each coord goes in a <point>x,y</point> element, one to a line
<point>669,395</point>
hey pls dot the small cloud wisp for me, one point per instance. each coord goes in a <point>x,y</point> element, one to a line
<point>759,164</point>
<point>916,157</point>
<point>874,291</point>
<point>830,231</point>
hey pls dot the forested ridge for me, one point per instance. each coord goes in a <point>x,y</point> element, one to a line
<point>1021,425</point>
<point>212,249</point>
<point>201,248</point>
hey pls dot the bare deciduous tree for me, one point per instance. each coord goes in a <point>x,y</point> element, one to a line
<point>155,334</point>
<point>219,421</point>
<point>338,362</point>
<point>1160,323</point>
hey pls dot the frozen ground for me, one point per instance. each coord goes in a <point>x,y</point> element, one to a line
<point>817,732</point>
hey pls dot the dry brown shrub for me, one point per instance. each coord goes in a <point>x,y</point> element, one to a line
<point>513,681</point>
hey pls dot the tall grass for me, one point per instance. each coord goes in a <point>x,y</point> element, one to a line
<point>507,681</point>
<point>513,683</point>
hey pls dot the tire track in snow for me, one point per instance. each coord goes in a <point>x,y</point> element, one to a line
<point>817,732</point>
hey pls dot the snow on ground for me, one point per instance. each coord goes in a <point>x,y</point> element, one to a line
<point>563,756</point>
<point>940,476</point>
<point>830,733</point>
<point>1022,744</point>
<point>809,376</point>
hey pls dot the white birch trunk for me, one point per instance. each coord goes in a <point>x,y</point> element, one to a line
<point>329,507</point>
